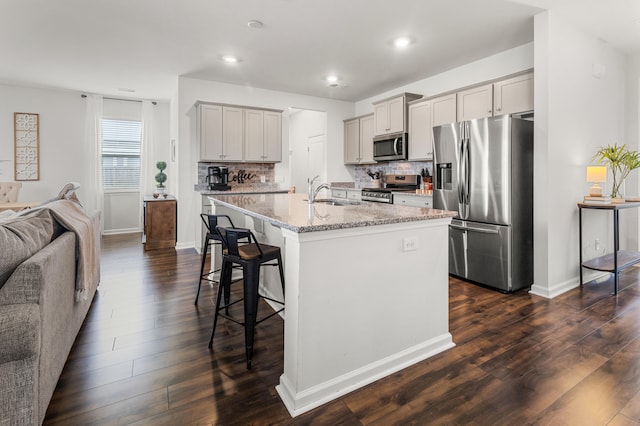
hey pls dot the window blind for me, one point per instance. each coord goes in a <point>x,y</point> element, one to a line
<point>121,143</point>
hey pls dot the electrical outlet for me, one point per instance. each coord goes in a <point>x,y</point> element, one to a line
<point>410,244</point>
<point>263,179</point>
<point>596,245</point>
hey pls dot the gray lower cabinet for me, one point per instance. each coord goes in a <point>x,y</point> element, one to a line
<point>351,194</point>
<point>413,200</point>
<point>338,193</point>
<point>354,194</point>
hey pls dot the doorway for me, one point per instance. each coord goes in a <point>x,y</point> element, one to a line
<point>307,147</point>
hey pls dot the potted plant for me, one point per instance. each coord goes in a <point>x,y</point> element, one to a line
<point>161,177</point>
<point>621,161</point>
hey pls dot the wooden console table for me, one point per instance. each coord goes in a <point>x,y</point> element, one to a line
<point>618,260</point>
<point>160,222</point>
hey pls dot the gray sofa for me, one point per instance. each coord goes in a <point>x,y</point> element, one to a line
<point>40,311</point>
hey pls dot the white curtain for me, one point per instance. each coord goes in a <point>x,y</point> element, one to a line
<point>147,157</point>
<point>92,193</point>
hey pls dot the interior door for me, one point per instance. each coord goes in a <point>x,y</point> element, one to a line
<point>307,146</point>
<point>316,158</point>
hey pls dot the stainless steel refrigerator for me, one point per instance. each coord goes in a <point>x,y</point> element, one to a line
<point>483,169</point>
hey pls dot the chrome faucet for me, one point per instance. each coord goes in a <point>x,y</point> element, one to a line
<point>311,195</point>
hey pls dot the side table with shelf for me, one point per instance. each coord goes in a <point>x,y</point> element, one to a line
<point>614,262</point>
<point>160,222</point>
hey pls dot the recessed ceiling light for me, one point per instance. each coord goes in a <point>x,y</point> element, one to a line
<point>332,78</point>
<point>255,24</point>
<point>230,59</point>
<point>401,42</point>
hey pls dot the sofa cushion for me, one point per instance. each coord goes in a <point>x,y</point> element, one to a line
<point>21,237</point>
<point>19,332</point>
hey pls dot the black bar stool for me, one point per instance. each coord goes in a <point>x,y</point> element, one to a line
<point>212,238</point>
<point>251,257</point>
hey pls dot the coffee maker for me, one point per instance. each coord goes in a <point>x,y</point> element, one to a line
<point>218,178</point>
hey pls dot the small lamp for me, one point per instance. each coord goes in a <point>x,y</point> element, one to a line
<point>596,175</point>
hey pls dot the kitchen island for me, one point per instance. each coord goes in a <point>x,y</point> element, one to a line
<point>366,289</point>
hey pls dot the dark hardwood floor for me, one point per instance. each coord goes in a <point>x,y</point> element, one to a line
<point>142,358</point>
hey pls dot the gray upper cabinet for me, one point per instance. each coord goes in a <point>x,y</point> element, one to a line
<point>220,133</point>
<point>423,117</point>
<point>476,102</point>
<point>443,110</point>
<point>210,132</point>
<point>390,115</point>
<point>513,95</point>
<point>233,134</point>
<point>358,140</point>
<point>272,136</point>
<point>509,96</point>
<point>420,134</point>
<point>262,136</point>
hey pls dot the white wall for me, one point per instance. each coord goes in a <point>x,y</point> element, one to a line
<point>501,64</point>
<point>632,132</point>
<point>575,113</point>
<point>192,90</point>
<point>62,135</point>
<point>62,132</point>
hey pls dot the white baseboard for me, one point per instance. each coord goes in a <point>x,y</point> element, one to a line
<point>308,399</point>
<point>189,245</point>
<point>121,231</point>
<point>560,288</point>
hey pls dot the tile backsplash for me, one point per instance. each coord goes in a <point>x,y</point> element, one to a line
<point>244,173</point>
<point>363,180</point>
<point>255,170</point>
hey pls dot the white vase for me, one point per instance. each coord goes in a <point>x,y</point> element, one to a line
<point>159,190</point>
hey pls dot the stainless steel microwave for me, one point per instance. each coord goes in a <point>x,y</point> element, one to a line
<point>390,147</point>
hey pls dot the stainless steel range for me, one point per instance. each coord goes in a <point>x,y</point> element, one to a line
<point>392,183</point>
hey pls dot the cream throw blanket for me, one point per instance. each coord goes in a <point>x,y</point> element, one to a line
<point>69,213</point>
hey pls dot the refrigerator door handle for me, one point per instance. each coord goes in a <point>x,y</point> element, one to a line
<point>459,166</point>
<point>467,164</point>
<point>480,230</point>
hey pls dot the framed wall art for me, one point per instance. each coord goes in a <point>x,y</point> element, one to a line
<point>27,146</point>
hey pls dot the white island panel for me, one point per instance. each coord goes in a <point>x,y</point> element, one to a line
<point>359,308</point>
<point>366,290</point>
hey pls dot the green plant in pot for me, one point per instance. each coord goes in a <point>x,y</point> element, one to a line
<point>621,161</point>
<point>161,177</point>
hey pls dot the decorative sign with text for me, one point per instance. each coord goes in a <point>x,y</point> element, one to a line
<point>241,176</point>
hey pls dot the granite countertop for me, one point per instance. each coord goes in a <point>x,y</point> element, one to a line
<point>343,185</point>
<point>245,189</point>
<point>292,212</point>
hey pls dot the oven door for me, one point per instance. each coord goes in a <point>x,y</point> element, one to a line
<point>390,147</point>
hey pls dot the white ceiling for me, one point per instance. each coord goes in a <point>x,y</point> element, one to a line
<point>114,46</point>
